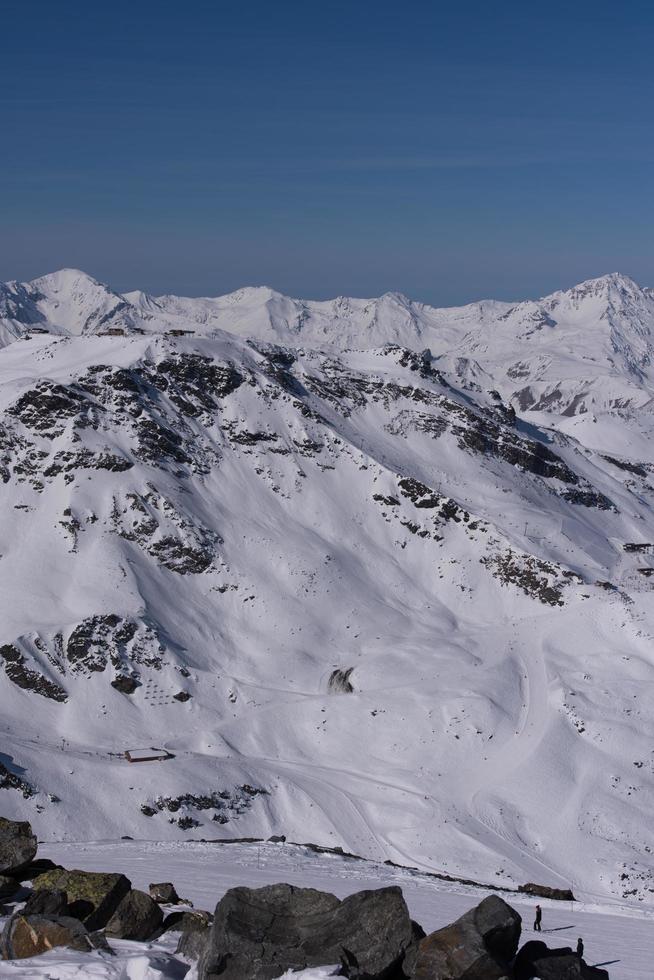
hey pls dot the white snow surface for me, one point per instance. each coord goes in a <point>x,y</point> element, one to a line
<point>619,937</point>
<point>287,489</point>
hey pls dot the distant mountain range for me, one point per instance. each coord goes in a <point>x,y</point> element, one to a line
<point>364,572</point>
<point>586,348</point>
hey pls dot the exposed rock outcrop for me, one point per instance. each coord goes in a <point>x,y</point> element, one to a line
<point>545,891</point>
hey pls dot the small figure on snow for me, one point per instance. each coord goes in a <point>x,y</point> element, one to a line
<point>580,948</point>
<point>539,916</point>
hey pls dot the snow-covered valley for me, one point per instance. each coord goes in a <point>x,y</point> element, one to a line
<point>368,573</point>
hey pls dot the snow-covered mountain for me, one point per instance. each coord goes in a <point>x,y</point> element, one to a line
<point>373,574</point>
<point>578,350</point>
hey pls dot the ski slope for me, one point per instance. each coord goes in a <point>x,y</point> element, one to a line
<point>209,507</point>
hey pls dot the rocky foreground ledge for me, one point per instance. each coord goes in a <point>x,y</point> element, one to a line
<point>261,933</point>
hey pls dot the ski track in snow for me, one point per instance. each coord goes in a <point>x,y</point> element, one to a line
<point>516,749</point>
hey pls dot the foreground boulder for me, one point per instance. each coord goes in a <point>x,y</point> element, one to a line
<point>164,892</point>
<point>46,902</point>
<point>17,845</point>
<point>34,869</point>
<point>93,896</point>
<point>194,931</point>
<point>478,946</point>
<point>8,886</point>
<point>137,917</point>
<point>31,935</point>
<point>260,933</point>
<point>187,921</point>
<point>568,967</point>
<point>193,944</point>
<point>536,960</point>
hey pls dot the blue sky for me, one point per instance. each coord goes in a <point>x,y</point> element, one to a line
<point>449,151</point>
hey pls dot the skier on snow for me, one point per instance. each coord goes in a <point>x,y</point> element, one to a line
<point>539,916</point>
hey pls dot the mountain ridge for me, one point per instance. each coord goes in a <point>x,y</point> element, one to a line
<point>78,283</point>
<point>509,340</point>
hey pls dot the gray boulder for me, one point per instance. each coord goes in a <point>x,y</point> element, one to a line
<point>17,845</point>
<point>567,967</point>
<point>189,921</point>
<point>137,917</point>
<point>164,892</point>
<point>46,902</point>
<point>193,944</point>
<point>34,869</point>
<point>194,930</point>
<point>31,935</point>
<point>93,896</point>
<point>260,933</point>
<point>8,886</point>
<point>536,960</point>
<point>478,946</point>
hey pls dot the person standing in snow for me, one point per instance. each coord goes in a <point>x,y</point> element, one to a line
<point>539,916</point>
<point>580,948</point>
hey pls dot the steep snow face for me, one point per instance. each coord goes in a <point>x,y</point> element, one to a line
<point>343,597</point>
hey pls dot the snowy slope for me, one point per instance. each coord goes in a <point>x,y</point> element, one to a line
<point>199,528</point>
<point>619,937</point>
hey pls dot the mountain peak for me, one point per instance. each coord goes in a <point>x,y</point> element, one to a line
<point>608,284</point>
<point>65,279</point>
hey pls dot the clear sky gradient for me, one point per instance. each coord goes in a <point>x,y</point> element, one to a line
<point>447,150</point>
